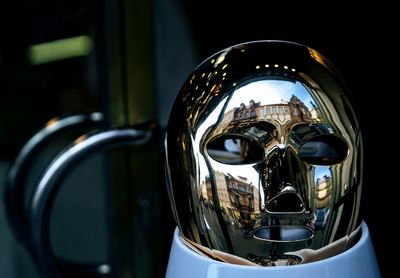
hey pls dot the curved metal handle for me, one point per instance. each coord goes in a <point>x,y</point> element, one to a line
<point>18,173</point>
<point>49,184</point>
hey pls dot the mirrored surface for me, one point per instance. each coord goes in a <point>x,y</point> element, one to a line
<point>263,153</point>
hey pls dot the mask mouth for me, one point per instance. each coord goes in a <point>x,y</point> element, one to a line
<point>280,233</point>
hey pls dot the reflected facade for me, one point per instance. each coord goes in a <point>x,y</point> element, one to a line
<point>264,153</point>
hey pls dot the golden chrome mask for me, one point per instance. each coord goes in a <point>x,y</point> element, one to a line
<point>264,155</point>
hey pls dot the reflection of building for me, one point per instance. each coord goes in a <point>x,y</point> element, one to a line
<point>275,112</point>
<point>244,198</point>
<point>323,191</point>
<point>294,110</point>
<point>298,111</point>
<point>222,190</point>
<point>238,199</point>
<point>315,113</point>
<point>223,196</point>
<point>322,197</point>
<point>246,112</point>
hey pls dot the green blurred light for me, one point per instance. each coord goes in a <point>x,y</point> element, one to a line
<point>59,50</point>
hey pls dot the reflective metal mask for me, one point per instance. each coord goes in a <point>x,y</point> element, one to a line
<point>264,157</point>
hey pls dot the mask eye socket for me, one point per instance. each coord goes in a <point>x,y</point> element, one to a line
<point>324,150</point>
<point>235,150</point>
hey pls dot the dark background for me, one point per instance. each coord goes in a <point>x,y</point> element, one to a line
<point>358,39</point>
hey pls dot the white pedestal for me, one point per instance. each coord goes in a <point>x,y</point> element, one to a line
<point>358,261</point>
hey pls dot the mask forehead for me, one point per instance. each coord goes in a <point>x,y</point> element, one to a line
<point>281,103</point>
<point>264,94</point>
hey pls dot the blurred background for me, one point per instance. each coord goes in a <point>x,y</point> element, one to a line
<point>127,59</point>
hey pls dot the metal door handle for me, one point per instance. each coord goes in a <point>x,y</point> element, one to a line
<point>49,184</point>
<point>31,224</point>
<point>18,173</point>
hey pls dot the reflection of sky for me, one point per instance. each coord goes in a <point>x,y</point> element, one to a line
<point>321,171</point>
<point>270,92</point>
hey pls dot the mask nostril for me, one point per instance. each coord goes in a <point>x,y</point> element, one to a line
<point>286,202</point>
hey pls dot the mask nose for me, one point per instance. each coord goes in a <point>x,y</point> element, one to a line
<point>283,190</point>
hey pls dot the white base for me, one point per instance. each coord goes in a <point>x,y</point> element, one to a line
<point>358,261</point>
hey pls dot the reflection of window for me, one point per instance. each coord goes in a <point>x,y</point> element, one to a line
<point>246,115</point>
<point>253,114</point>
<point>286,110</point>
<point>280,110</point>
<point>267,110</point>
<point>273,109</point>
